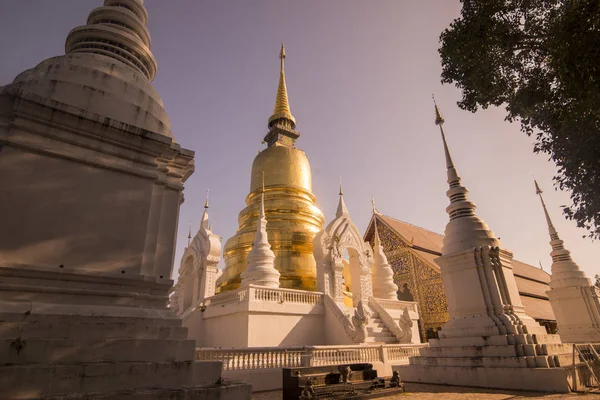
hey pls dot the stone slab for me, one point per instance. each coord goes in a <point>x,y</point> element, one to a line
<point>533,379</point>
<point>64,351</point>
<point>37,381</point>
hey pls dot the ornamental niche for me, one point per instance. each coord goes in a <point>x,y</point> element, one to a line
<point>330,245</point>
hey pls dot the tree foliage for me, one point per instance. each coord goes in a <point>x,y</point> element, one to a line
<point>540,59</point>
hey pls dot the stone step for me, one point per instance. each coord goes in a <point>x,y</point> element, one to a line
<point>145,318</point>
<point>382,340</point>
<point>64,351</point>
<point>380,334</point>
<point>486,362</point>
<point>91,331</point>
<point>531,379</point>
<point>41,380</point>
<point>470,351</point>
<point>228,390</point>
<point>377,329</point>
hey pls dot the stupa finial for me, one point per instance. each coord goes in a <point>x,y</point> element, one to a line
<point>551,230</point>
<point>206,202</point>
<point>282,105</point>
<point>190,234</point>
<point>440,122</point>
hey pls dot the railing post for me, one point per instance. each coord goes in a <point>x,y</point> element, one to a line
<point>383,354</point>
<point>307,358</point>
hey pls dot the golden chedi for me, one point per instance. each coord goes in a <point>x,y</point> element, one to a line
<point>292,216</point>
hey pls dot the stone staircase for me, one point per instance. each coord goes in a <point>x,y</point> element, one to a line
<point>378,332</point>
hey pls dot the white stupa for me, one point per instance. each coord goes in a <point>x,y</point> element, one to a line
<point>573,298</point>
<point>261,269</point>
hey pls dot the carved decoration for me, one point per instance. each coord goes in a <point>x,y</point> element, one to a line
<point>204,250</point>
<point>355,326</point>
<point>417,279</point>
<point>339,236</point>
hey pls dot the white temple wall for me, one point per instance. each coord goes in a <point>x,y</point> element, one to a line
<point>230,330</point>
<point>59,212</point>
<point>267,330</point>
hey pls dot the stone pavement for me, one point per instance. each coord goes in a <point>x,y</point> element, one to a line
<point>429,392</point>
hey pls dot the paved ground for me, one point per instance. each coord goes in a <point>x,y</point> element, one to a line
<point>429,392</point>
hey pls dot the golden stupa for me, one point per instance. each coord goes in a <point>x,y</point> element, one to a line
<point>293,219</point>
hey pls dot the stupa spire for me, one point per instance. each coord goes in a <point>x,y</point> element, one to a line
<point>551,229</point>
<point>565,272</point>
<point>261,269</point>
<point>282,123</point>
<point>117,30</point>
<point>189,234</point>
<point>341,209</point>
<point>464,235</point>
<point>282,105</point>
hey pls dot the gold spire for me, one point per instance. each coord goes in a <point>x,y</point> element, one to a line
<point>206,202</point>
<point>282,105</point>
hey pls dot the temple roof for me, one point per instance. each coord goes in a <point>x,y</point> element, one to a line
<point>532,282</point>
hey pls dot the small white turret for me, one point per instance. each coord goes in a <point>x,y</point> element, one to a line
<point>261,269</point>
<point>382,273</point>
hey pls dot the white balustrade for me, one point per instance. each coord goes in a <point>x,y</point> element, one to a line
<point>286,295</point>
<point>397,304</point>
<point>229,297</point>
<point>253,358</point>
<point>262,294</point>
<point>396,353</point>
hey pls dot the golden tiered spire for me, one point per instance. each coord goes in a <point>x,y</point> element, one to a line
<point>282,105</point>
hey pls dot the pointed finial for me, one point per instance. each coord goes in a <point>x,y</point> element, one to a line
<point>551,228</point>
<point>341,209</point>
<point>438,117</point>
<point>206,202</point>
<point>190,234</point>
<point>440,122</point>
<point>282,55</point>
<point>282,105</point>
<point>538,191</point>
<point>263,181</point>
<point>542,268</point>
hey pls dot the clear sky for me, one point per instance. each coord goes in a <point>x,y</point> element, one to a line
<point>360,75</point>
